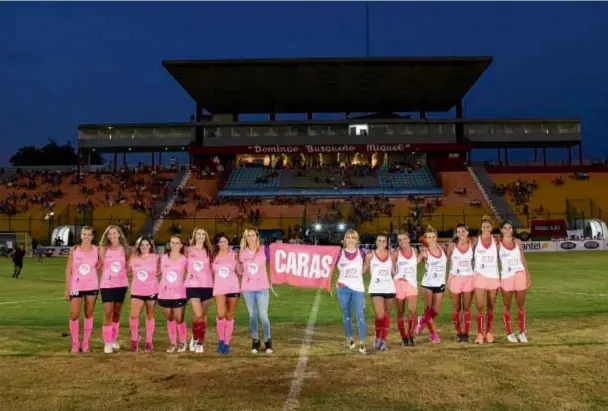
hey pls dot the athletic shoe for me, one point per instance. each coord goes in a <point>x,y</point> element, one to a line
<point>226,349</point>
<point>351,344</point>
<point>134,345</point>
<point>512,338</point>
<point>523,338</point>
<point>192,346</point>
<point>412,341</point>
<point>420,325</point>
<point>148,347</point>
<point>85,348</point>
<point>435,338</point>
<point>459,339</point>
<point>115,346</point>
<point>268,347</point>
<point>479,339</point>
<point>465,338</point>
<point>199,349</point>
<point>383,346</point>
<point>490,338</point>
<point>405,342</point>
<point>362,348</point>
<point>75,348</point>
<point>255,346</point>
<point>172,348</point>
<point>220,346</point>
<point>182,347</point>
<point>107,348</point>
<point>377,342</point>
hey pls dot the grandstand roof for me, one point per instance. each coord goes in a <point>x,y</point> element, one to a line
<point>328,85</point>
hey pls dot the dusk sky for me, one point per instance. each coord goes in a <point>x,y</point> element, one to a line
<point>63,64</point>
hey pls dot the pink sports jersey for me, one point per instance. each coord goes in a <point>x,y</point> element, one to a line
<point>199,270</point>
<point>255,276</point>
<point>84,272</point>
<point>224,274</point>
<point>114,272</point>
<point>172,286</point>
<point>144,272</point>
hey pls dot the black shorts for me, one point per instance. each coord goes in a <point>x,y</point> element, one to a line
<point>81,294</point>
<point>386,296</point>
<point>152,297</point>
<point>436,290</point>
<point>172,303</point>
<point>202,293</point>
<point>232,295</point>
<point>113,295</point>
<point>18,263</point>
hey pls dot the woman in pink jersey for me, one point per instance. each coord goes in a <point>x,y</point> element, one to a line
<point>226,291</point>
<point>461,281</point>
<point>487,280</point>
<point>406,284</point>
<point>255,286</point>
<point>114,283</point>
<point>515,280</point>
<point>172,293</point>
<point>199,285</point>
<point>144,290</point>
<point>82,283</point>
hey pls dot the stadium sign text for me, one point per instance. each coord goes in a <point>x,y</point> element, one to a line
<point>329,148</point>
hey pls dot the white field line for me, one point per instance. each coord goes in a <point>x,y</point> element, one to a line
<point>30,301</point>
<point>548,291</point>
<point>297,381</point>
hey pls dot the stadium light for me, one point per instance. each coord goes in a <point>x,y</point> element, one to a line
<point>318,227</point>
<point>341,227</point>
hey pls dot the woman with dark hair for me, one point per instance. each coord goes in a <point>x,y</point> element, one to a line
<point>461,281</point>
<point>143,266</point>
<point>515,280</point>
<point>406,284</point>
<point>226,291</point>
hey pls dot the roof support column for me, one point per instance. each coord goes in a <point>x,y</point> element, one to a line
<point>569,155</point>
<point>153,160</point>
<point>459,126</point>
<point>308,116</point>
<point>115,160</point>
<point>199,112</point>
<point>78,165</point>
<point>545,156</point>
<point>580,153</point>
<point>499,156</point>
<point>535,154</point>
<point>423,115</point>
<point>273,117</point>
<point>506,156</point>
<point>459,110</point>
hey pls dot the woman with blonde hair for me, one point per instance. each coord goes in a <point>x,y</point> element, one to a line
<point>461,281</point>
<point>226,291</point>
<point>114,283</point>
<point>487,280</point>
<point>254,286</point>
<point>433,282</point>
<point>515,280</point>
<point>199,285</point>
<point>82,285</point>
<point>351,289</point>
<point>143,266</point>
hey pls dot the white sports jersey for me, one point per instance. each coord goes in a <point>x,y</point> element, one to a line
<point>510,261</point>
<point>351,272</point>
<point>382,278</point>
<point>486,259</point>
<point>407,268</point>
<point>434,269</point>
<point>461,263</point>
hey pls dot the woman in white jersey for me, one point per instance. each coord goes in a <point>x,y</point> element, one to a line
<point>433,282</point>
<point>487,280</point>
<point>406,284</point>
<point>351,289</point>
<point>381,288</point>
<point>461,281</point>
<point>515,279</point>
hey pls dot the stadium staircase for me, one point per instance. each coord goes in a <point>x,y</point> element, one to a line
<point>498,204</point>
<point>153,224</point>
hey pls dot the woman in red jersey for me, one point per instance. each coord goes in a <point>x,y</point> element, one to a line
<point>199,285</point>
<point>406,283</point>
<point>487,280</point>
<point>82,284</point>
<point>515,280</point>
<point>461,282</point>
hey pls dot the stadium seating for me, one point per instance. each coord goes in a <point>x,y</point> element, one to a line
<point>249,177</point>
<point>418,178</point>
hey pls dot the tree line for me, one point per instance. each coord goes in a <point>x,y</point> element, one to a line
<point>51,154</point>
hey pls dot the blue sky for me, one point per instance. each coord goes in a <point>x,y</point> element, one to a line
<point>62,64</point>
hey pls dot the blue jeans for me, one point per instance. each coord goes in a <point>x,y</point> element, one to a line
<point>349,298</point>
<point>257,304</point>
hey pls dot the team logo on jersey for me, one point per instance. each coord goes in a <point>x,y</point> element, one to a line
<point>115,266</point>
<point>198,266</point>
<point>84,269</point>
<point>252,268</point>
<point>223,272</point>
<point>350,273</point>
<point>142,275</point>
<point>171,277</point>
<point>568,245</point>
<point>591,245</point>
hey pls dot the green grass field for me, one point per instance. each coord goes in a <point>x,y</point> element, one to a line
<point>563,367</point>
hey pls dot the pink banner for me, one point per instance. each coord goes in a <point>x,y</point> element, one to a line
<point>306,266</point>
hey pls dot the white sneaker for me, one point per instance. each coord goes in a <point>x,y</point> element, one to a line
<point>523,338</point>
<point>362,348</point>
<point>172,348</point>
<point>351,344</point>
<point>192,346</point>
<point>115,346</point>
<point>107,348</point>
<point>182,347</point>
<point>199,349</point>
<point>269,351</point>
<point>512,338</point>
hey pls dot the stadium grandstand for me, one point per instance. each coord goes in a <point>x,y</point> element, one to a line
<point>352,159</point>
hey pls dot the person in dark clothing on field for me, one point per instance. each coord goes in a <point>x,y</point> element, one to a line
<point>17,255</point>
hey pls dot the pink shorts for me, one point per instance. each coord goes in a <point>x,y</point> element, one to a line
<point>458,284</point>
<point>405,289</point>
<point>484,283</point>
<point>519,282</point>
